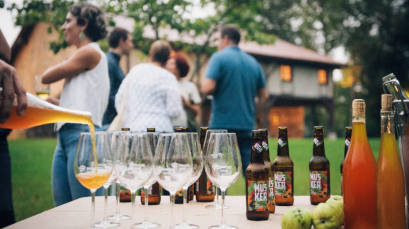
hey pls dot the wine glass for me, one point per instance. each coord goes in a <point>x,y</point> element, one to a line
<point>153,139</point>
<point>216,206</point>
<point>197,161</point>
<point>42,90</point>
<point>173,164</point>
<point>114,141</point>
<point>133,163</point>
<point>93,164</point>
<point>223,165</point>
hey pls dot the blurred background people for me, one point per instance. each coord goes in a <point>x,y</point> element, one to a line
<point>235,79</point>
<point>179,66</point>
<point>120,43</point>
<point>150,93</point>
<point>86,88</point>
<point>10,86</point>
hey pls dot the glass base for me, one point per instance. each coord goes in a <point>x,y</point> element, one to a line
<point>186,226</point>
<point>217,206</point>
<point>106,224</point>
<point>118,217</point>
<point>222,226</point>
<point>146,225</point>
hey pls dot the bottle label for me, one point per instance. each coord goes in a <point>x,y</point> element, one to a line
<point>257,195</point>
<point>283,184</point>
<point>319,183</point>
<point>317,142</point>
<point>258,148</point>
<point>209,186</point>
<point>271,195</point>
<point>179,193</point>
<point>281,143</point>
<point>265,145</point>
<point>347,142</point>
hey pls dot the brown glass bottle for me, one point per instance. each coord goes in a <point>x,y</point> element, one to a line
<point>154,192</point>
<point>283,171</point>
<point>266,156</point>
<point>348,134</point>
<point>319,170</point>
<point>257,175</point>
<point>179,193</point>
<point>191,189</point>
<point>204,187</point>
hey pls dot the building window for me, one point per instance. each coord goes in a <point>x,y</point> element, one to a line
<point>322,76</point>
<point>285,71</point>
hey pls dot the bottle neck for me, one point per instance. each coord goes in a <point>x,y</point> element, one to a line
<point>387,123</point>
<point>282,147</point>
<point>318,148</point>
<point>266,150</point>
<point>347,143</point>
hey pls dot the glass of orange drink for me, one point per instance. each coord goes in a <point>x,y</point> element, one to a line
<point>93,164</point>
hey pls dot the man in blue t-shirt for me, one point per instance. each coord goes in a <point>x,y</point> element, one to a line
<point>235,79</point>
<point>120,43</point>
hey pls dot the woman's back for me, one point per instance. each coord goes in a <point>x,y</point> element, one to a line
<point>152,98</point>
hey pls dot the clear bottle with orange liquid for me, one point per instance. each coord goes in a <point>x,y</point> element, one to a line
<point>348,134</point>
<point>390,189</point>
<point>359,174</point>
<point>40,112</point>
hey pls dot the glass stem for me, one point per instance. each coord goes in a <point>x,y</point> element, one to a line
<point>184,220</point>
<point>106,202</point>
<point>146,189</point>
<point>223,194</point>
<point>93,208</point>
<point>217,195</point>
<point>172,202</point>
<point>133,192</point>
<point>118,189</point>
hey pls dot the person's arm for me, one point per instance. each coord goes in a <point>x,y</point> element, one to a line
<point>84,59</point>
<point>208,86</point>
<point>10,84</point>
<point>5,51</point>
<point>194,108</point>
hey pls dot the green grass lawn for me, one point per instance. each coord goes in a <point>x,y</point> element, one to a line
<point>32,158</point>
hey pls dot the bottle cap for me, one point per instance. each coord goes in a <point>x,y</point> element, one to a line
<point>358,107</point>
<point>386,103</point>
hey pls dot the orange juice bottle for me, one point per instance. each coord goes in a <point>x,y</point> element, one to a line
<point>390,189</point>
<point>359,174</point>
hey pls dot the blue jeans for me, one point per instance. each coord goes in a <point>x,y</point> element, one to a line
<point>65,185</point>
<point>244,141</point>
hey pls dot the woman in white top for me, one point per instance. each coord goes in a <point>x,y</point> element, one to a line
<point>86,88</point>
<point>179,66</point>
<point>150,93</point>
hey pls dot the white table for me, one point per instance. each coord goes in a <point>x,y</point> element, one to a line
<point>76,214</point>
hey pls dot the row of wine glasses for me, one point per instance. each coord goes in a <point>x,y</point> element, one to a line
<point>175,162</point>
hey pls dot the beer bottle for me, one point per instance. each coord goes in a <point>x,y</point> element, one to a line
<point>154,190</point>
<point>179,193</point>
<point>257,175</point>
<point>204,187</point>
<point>319,170</point>
<point>266,156</point>
<point>283,171</point>
<point>359,174</point>
<point>390,187</point>
<point>348,134</point>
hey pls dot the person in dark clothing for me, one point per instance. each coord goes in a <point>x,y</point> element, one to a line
<point>9,85</point>
<point>120,43</point>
